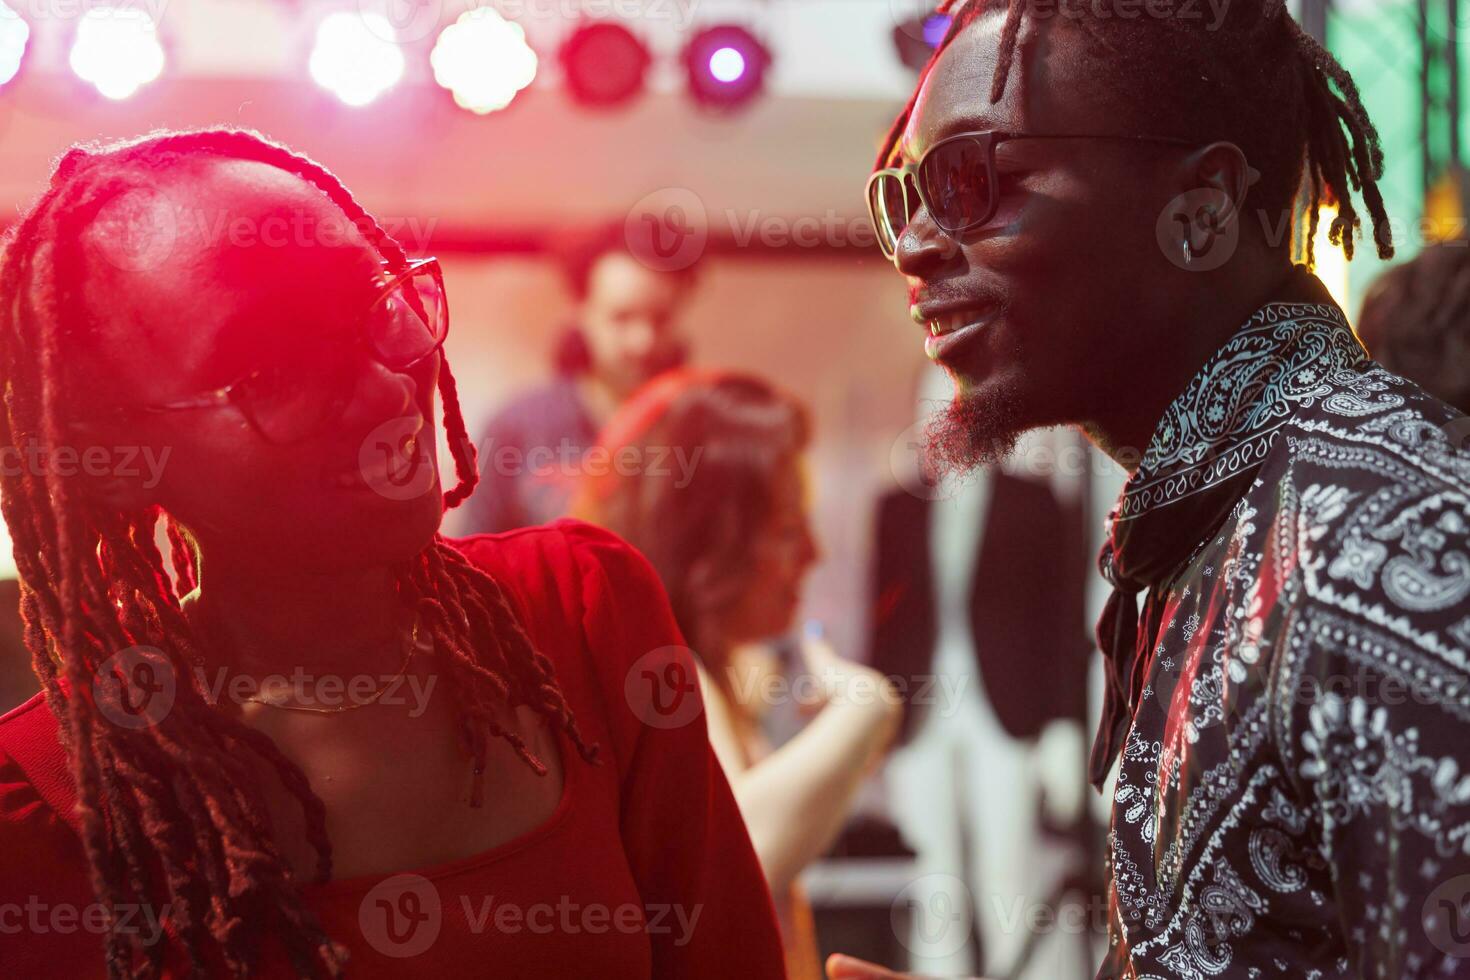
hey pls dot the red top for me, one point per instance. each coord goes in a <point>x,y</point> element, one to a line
<point>644,870</point>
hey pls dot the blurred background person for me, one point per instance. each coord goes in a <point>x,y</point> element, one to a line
<point>731,542</point>
<point>978,615</point>
<point>625,330</point>
<point>1416,322</point>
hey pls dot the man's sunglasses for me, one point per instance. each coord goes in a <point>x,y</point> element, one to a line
<point>955,182</point>
<point>296,397</point>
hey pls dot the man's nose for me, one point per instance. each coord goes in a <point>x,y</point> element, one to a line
<point>923,247</point>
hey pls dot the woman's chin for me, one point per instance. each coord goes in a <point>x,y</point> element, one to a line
<point>392,531</point>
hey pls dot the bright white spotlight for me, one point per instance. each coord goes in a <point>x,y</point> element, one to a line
<point>353,58</point>
<point>14,32</point>
<point>483,59</point>
<point>117,50</point>
<point>727,65</point>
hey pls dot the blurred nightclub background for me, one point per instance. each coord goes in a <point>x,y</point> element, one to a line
<point>485,131</point>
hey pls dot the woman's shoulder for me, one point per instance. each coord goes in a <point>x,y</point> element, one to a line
<point>596,606</point>
<point>569,557</point>
<point>37,795</point>
<point>523,540</point>
<point>576,585</point>
<point>50,919</point>
<point>33,763</point>
<point>29,731</point>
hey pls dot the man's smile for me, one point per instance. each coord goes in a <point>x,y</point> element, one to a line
<point>951,326</point>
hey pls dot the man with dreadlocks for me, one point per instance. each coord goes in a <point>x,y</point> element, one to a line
<point>1091,205</point>
<point>215,297</point>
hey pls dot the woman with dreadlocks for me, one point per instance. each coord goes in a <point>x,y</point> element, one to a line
<point>316,739</point>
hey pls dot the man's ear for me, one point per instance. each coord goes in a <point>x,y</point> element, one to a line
<point>1220,168</point>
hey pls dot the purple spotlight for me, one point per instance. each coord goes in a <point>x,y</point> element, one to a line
<point>935,27</point>
<point>726,65</point>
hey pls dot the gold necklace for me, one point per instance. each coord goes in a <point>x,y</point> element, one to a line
<point>411,646</point>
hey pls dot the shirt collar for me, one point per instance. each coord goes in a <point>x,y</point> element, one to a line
<point>1218,430</point>
<point>1203,457</point>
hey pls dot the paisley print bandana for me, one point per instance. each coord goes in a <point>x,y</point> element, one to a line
<point>1203,456</point>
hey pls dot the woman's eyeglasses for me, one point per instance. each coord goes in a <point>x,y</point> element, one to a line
<point>955,182</point>
<point>294,398</point>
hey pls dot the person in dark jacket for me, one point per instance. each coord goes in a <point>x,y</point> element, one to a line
<point>977,617</point>
<point>626,330</point>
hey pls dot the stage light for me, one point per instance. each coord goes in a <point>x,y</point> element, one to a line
<point>916,38</point>
<point>935,27</point>
<point>483,60</point>
<point>353,58</point>
<point>1332,265</point>
<point>14,33</point>
<point>727,66</point>
<point>605,64</point>
<point>117,50</point>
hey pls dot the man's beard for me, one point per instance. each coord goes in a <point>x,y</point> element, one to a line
<point>975,429</point>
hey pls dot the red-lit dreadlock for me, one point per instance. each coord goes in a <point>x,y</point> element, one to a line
<point>1254,78</point>
<point>169,811</point>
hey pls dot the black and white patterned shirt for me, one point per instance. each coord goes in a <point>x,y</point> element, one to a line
<point>1294,794</point>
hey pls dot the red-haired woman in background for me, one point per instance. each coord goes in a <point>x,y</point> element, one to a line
<point>489,801</point>
<point>709,484</point>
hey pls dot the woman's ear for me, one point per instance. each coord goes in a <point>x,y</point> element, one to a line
<point>118,477</point>
<point>118,493</point>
